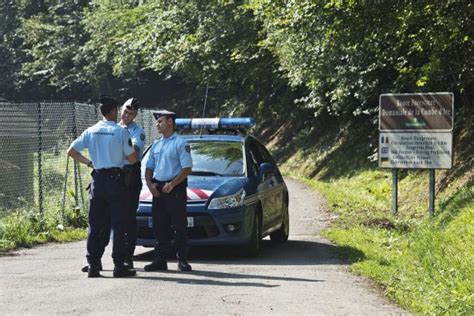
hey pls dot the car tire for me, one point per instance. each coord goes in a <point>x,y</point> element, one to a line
<point>281,235</point>
<point>253,247</point>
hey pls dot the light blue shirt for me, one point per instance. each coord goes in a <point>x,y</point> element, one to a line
<point>108,144</point>
<point>168,156</point>
<point>138,137</point>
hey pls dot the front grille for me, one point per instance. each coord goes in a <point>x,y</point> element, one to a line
<point>205,227</point>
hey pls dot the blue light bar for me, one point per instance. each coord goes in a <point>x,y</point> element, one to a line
<point>215,123</point>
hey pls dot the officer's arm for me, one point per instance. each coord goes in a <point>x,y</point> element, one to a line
<point>151,186</point>
<point>148,176</point>
<point>133,157</point>
<point>78,156</point>
<point>180,177</point>
<point>169,186</point>
<point>138,141</point>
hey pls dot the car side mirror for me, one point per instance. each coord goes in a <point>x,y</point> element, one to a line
<point>267,168</point>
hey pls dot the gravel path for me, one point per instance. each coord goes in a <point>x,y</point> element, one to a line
<point>303,276</point>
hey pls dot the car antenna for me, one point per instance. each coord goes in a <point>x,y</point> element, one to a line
<point>204,109</point>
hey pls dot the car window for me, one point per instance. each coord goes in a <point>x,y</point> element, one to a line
<point>265,154</point>
<point>222,158</point>
<point>214,158</point>
<point>252,160</point>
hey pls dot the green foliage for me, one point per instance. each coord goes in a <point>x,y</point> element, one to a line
<point>26,228</point>
<point>345,53</point>
<point>260,57</point>
<point>52,39</point>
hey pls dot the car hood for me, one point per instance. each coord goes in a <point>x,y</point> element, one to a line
<point>200,189</point>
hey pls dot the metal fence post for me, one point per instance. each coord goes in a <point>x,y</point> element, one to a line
<point>74,135</point>
<point>40,161</point>
<point>431,206</point>
<point>394,191</point>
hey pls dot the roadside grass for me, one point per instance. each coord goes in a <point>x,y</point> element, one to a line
<point>62,219</point>
<point>424,264</point>
<point>25,229</point>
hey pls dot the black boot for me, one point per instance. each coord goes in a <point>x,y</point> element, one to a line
<point>184,266</point>
<point>157,265</point>
<point>93,271</point>
<point>121,271</point>
<point>128,263</point>
<point>86,268</point>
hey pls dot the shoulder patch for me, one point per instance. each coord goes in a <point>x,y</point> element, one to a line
<point>142,136</point>
<point>188,148</point>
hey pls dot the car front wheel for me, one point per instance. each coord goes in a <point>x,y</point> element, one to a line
<point>281,235</point>
<point>252,248</point>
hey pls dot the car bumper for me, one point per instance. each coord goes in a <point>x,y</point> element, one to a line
<point>210,227</point>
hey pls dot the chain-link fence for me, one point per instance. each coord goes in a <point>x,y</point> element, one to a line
<point>35,171</point>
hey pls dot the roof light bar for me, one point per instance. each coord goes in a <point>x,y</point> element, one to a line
<point>215,123</point>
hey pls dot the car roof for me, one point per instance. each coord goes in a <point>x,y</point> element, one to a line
<point>214,137</point>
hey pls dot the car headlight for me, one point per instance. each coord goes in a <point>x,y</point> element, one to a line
<point>229,201</point>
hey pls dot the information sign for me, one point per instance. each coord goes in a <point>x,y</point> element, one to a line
<point>416,112</point>
<point>421,150</point>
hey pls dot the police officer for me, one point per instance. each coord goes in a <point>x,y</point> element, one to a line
<point>167,169</point>
<point>128,114</point>
<point>109,146</point>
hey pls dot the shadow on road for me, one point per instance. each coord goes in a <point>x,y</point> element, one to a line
<point>293,252</point>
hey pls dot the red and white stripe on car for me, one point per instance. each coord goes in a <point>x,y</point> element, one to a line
<point>192,193</point>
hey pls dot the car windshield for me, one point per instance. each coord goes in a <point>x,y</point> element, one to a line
<point>214,158</point>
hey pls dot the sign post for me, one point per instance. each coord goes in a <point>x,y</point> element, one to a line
<point>416,133</point>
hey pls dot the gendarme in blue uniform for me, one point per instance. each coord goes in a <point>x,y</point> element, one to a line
<point>108,144</point>
<point>168,156</point>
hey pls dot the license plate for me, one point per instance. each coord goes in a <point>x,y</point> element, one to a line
<point>190,221</point>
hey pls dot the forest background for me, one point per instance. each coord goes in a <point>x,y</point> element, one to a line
<point>311,73</point>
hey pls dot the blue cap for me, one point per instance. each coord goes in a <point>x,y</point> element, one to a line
<point>160,113</point>
<point>132,104</point>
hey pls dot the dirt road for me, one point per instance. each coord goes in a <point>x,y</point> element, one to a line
<point>302,276</point>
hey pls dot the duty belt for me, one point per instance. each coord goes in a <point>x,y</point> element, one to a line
<point>108,170</point>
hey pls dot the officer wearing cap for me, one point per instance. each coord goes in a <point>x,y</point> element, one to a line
<point>167,169</point>
<point>128,114</point>
<point>109,146</point>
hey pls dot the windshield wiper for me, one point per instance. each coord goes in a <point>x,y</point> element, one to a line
<point>205,173</point>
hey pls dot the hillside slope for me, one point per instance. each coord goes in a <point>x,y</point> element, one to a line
<point>424,264</point>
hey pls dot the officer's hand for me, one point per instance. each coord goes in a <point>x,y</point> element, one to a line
<point>167,188</point>
<point>154,189</point>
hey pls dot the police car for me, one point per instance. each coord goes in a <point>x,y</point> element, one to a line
<point>236,195</point>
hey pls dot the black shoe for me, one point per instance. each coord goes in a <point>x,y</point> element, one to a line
<point>86,268</point>
<point>129,264</point>
<point>93,271</point>
<point>157,265</point>
<point>184,266</point>
<point>121,271</point>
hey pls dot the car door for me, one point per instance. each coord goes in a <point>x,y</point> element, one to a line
<point>267,185</point>
<point>262,183</point>
<point>275,187</point>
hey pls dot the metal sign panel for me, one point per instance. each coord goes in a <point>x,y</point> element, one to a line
<point>415,150</point>
<point>416,112</point>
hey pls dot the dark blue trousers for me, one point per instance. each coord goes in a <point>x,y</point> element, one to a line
<point>133,200</point>
<point>169,218</point>
<point>108,208</point>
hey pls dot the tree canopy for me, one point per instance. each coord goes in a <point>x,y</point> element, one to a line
<point>260,57</point>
